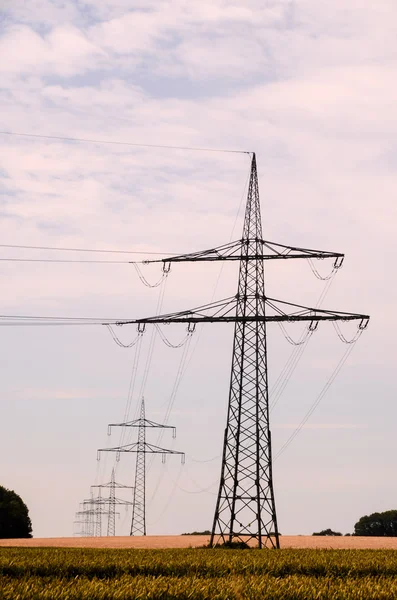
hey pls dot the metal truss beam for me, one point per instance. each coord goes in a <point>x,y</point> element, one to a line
<point>265,250</point>
<point>226,311</point>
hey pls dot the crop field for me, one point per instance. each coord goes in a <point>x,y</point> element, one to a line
<point>150,542</point>
<point>114,574</point>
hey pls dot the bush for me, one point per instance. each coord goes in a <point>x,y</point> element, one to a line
<point>327,532</point>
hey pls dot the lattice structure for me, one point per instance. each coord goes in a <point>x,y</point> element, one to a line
<point>245,508</point>
<point>141,448</point>
<point>112,501</point>
<point>90,517</point>
<point>138,522</point>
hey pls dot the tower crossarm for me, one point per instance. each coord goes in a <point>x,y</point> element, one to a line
<point>148,449</point>
<point>105,501</point>
<point>225,311</point>
<point>241,250</point>
<point>142,423</point>
<point>92,512</point>
<point>123,502</point>
<point>279,310</point>
<point>115,484</point>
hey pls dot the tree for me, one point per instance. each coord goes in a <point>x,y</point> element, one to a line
<point>14,516</point>
<point>378,524</point>
<point>327,532</point>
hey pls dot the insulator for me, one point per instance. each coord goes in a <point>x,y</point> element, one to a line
<point>363,324</point>
<point>191,327</point>
<point>163,458</point>
<point>183,459</point>
<point>174,433</point>
<point>109,430</point>
<point>141,327</point>
<point>339,262</point>
<point>98,455</point>
<point>166,267</point>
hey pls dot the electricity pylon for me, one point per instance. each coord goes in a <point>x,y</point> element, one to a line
<point>112,501</point>
<point>141,448</point>
<point>90,517</point>
<point>245,508</point>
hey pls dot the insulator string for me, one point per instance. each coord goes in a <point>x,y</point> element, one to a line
<point>343,338</point>
<point>290,340</point>
<point>145,281</point>
<point>166,340</point>
<point>118,341</point>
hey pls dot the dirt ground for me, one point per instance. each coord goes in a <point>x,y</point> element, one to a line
<point>192,541</point>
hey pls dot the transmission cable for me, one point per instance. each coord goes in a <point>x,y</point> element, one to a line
<point>166,505</point>
<point>289,368</point>
<point>206,460</point>
<point>145,281</point>
<point>118,341</point>
<point>199,328</point>
<point>130,394</point>
<point>93,250</point>
<point>318,274</point>
<point>205,490</point>
<point>119,143</point>
<point>174,391</point>
<point>317,401</point>
<point>185,361</point>
<point>296,355</point>
<point>167,341</point>
<point>343,338</point>
<point>290,340</point>
<point>70,261</point>
<point>149,355</point>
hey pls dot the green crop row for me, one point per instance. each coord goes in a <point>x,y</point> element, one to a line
<point>68,562</point>
<point>198,574</point>
<point>250,587</point>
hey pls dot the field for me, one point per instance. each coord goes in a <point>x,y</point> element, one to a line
<point>196,573</point>
<point>194,541</point>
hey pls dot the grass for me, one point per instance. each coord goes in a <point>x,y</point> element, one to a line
<point>197,574</point>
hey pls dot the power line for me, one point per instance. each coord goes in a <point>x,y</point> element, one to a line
<point>63,249</point>
<point>54,260</point>
<point>118,143</point>
<point>317,401</point>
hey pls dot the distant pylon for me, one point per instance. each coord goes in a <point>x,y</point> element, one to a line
<point>141,448</point>
<point>138,522</point>
<point>112,500</point>
<point>112,507</point>
<point>91,515</point>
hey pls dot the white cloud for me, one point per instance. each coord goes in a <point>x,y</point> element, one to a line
<point>64,51</point>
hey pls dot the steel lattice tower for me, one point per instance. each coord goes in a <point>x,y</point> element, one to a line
<point>112,507</point>
<point>245,508</point>
<point>141,448</point>
<point>138,522</point>
<point>112,500</point>
<point>91,516</point>
<point>246,500</point>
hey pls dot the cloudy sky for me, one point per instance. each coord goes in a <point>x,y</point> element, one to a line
<point>310,86</point>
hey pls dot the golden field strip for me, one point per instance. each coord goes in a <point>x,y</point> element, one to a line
<point>61,573</point>
<point>195,541</point>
